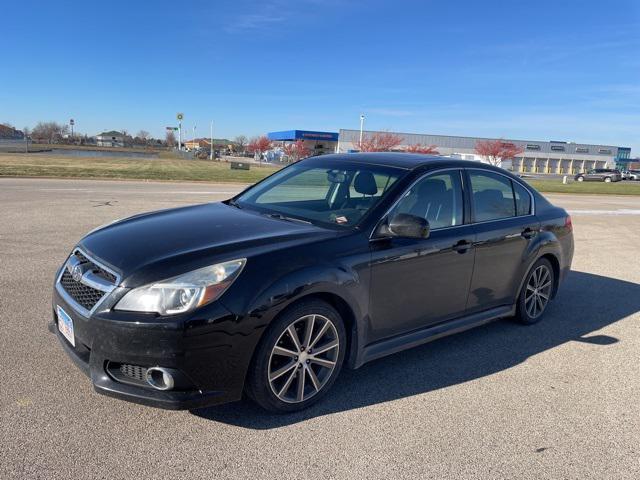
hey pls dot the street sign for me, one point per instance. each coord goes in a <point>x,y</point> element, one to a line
<point>174,129</point>
<point>72,122</point>
<point>180,116</point>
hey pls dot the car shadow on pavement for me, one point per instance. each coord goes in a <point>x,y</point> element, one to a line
<point>586,303</point>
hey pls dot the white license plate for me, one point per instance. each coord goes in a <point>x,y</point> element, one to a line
<point>65,325</point>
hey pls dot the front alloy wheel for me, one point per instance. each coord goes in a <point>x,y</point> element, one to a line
<point>303,358</point>
<point>299,357</point>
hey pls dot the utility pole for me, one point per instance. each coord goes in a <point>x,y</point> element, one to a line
<point>211,149</point>
<point>361,130</point>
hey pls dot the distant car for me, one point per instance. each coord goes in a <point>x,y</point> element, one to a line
<point>599,175</point>
<point>633,175</point>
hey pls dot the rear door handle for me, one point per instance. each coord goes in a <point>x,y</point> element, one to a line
<point>462,246</point>
<point>528,233</point>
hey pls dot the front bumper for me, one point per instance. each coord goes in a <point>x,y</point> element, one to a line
<point>210,352</point>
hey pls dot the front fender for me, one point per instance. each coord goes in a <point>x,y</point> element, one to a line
<point>340,282</point>
<point>347,284</point>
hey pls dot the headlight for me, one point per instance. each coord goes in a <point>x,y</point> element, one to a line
<point>184,292</point>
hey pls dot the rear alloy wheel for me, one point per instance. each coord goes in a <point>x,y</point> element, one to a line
<point>536,293</point>
<point>607,179</point>
<point>299,358</point>
<point>580,179</point>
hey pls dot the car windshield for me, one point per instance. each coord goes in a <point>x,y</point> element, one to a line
<point>336,195</point>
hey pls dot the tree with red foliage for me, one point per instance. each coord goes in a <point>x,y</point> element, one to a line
<point>426,149</point>
<point>379,142</point>
<point>259,145</point>
<point>296,150</point>
<point>495,151</point>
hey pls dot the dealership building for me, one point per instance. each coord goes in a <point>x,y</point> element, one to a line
<point>317,142</point>
<point>537,156</point>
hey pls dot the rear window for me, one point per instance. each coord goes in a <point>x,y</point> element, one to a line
<point>496,196</point>
<point>492,196</point>
<point>523,199</point>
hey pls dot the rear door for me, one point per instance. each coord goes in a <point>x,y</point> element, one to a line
<point>502,211</point>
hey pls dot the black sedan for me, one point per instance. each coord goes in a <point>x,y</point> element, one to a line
<point>332,262</point>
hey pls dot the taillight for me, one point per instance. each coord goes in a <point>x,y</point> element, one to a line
<point>567,223</point>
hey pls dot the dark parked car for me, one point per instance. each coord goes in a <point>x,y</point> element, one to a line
<point>599,175</point>
<point>332,262</point>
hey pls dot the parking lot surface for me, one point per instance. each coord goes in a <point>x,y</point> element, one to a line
<point>554,400</point>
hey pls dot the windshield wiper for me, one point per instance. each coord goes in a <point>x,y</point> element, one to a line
<point>234,203</point>
<point>279,216</point>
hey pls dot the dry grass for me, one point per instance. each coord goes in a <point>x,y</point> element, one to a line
<point>23,165</point>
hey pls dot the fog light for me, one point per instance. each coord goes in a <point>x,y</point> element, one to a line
<point>159,378</point>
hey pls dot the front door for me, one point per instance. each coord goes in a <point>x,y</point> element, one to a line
<point>419,282</point>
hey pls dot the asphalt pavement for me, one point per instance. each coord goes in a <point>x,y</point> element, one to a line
<point>554,400</point>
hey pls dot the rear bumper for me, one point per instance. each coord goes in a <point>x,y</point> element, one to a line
<point>209,354</point>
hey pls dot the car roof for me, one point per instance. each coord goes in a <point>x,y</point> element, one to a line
<point>407,161</point>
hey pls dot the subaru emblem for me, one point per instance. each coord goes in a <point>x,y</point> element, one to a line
<point>76,273</point>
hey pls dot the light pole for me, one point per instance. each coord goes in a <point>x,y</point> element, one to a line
<point>361,129</point>
<point>211,149</point>
<point>180,117</point>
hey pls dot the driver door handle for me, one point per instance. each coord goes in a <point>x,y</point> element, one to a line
<point>528,233</point>
<point>462,246</point>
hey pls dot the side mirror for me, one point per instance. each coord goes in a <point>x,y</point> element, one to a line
<point>408,226</point>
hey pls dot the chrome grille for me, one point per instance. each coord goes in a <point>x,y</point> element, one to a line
<point>91,284</point>
<point>83,294</point>
<point>96,268</point>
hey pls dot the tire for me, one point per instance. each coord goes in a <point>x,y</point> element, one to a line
<point>580,179</point>
<point>529,309</point>
<point>276,371</point>
<point>607,179</point>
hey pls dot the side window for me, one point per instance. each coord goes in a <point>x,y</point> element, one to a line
<point>523,199</point>
<point>492,196</point>
<point>437,198</point>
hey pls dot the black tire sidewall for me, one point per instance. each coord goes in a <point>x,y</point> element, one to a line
<point>257,385</point>
<point>521,311</point>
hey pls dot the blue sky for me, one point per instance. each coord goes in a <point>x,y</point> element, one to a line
<point>561,70</point>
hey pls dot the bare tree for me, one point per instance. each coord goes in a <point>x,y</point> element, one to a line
<point>141,138</point>
<point>170,138</point>
<point>49,131</point>
<point>241,142</point>
<point>143,134</point>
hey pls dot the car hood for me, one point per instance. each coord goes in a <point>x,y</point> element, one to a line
<point>177,240</point>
